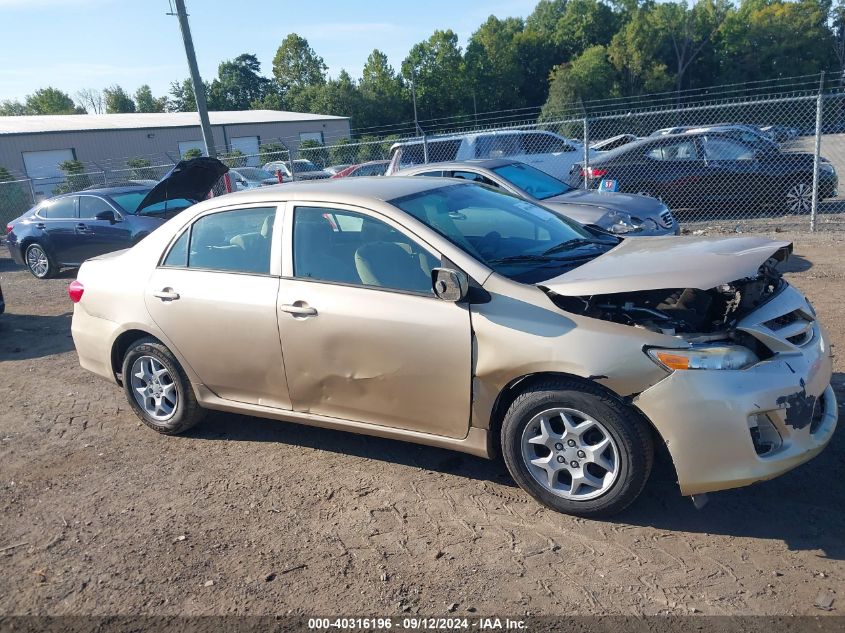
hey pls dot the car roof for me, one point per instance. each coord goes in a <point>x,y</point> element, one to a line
<point>340,190</point>
<point>483,163</point>
<point>103,191</point>
<point>470,135</point>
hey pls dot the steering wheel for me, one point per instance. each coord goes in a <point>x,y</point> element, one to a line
<point>489,244</point>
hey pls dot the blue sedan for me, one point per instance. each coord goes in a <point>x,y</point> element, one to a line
<point>66,230</point>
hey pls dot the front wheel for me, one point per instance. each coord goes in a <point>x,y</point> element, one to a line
<point>799,198</point>
<point>158,390</point>
<point>39,262</point>
<point>576,449</point>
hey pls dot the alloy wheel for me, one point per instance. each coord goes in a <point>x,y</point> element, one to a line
<point>799,198</point>
<point>570,454</point>
<point>154,388</point>
<point>37,261</point>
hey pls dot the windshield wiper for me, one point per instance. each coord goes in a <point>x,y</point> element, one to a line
<point>575,243</point>
<point>525,257</point>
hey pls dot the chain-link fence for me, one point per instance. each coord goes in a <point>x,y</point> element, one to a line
<point>751,163</point>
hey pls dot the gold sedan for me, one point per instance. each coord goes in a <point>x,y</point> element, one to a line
<point>452,315</point>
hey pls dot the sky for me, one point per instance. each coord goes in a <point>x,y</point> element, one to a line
<point>76,44</point>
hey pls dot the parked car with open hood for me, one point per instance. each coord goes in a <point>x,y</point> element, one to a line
<point>66,230</point>
<point>620,213</point>
<point>450,314</point>
<point>547,151</point>
<point>713,170</point>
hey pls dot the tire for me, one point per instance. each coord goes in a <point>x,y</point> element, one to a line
<point>168,404</point>
<point>38,262</point>
<point>595,419</point>
<point>798,198</point>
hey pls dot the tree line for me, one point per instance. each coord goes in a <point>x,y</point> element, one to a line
<point>564,54</point>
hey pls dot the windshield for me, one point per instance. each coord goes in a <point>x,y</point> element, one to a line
<point>129,203</point>
<point>254,173</point>
<point>514,237</point>
<point>537,184</point>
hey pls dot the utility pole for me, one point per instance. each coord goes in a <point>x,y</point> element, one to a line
<point>199,87</point>
<point>416,121</point>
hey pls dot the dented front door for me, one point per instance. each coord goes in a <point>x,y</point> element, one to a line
<point>373,355</point>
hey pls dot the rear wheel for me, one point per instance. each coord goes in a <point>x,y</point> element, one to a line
<point>39,262</point>
<point>158,390</point>
<point>576,449</point>
<point>799,198</point>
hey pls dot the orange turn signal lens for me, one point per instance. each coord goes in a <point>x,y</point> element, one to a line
<point>672,361</point>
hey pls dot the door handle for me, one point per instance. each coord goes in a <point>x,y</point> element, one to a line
<point>166,294</point>
<point>40,225</point>
<point>83,228</point>
<point>300,310</point>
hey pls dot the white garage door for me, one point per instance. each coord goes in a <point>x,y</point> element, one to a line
<point>248,146</point>
<point>43,168</point>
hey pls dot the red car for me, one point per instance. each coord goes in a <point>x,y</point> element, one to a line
<point>372,168</point>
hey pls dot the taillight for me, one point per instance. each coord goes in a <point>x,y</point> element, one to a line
<point>9,228</point>
<point>75,290</point>
<point>593,172</point>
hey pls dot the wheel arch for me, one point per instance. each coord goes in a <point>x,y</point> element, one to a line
<point>516,386</point>
<point>122,344</point>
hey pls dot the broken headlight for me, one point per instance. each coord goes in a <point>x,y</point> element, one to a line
<point>704,357</point>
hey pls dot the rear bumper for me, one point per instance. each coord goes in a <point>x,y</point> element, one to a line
<point>15,252</point>
<point>705,417</point>
<point>93,338</point>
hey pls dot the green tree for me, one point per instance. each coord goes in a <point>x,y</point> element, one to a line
<point>296,65</point>
<point>51,101</point>
<point>635,52</point>
<point>11,107</point>
<point>145,102</point>
<point>182,97</point>
<point>343,152</point>
<point>765,39</point>
<point>437,67</point>
<point>493,65</point>
<point>194,152</point>
<point>141,169</point>
<point>117,100</point>
<point>238,84</point>
<point>588,76</point>
<point>75,177</point>
<point>384,100</point>
<point>14,199</point>
<point>337,97</point>
<point>233,158</point>
<point>584,23</point>
<point>268,152</point>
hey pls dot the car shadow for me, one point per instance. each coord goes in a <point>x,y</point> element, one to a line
<point>28,336</point>
<point>793,508</point>
<point>242,428</point>
<point>795,264</point>
<point>7,264</point>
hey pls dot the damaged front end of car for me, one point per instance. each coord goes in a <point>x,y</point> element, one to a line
<point>746,394</point>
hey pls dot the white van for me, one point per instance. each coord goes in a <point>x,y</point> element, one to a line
<point>546,151</point>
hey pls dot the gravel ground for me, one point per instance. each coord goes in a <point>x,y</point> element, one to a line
<point>247,516</point>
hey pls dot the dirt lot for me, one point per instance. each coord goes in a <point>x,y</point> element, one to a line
<point>102,516</point>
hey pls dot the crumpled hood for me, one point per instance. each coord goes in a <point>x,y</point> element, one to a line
<point>191,179</point>
<point>652,263</point>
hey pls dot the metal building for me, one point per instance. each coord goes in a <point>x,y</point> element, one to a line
<point>33,146</point>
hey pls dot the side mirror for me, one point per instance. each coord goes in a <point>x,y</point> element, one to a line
<point>449,284</point>
<point>108,215</point>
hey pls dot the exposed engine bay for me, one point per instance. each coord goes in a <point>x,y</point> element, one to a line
<point>692,314</point>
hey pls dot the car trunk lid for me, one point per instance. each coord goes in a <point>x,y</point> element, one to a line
<point>190,179</point>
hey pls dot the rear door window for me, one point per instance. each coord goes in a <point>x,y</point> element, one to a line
<point>239,241</point>
<point>497,146</point>
<point>536,143</point>
<point>720,148</point>
<point>676,150</point>
<point>61,209</point>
